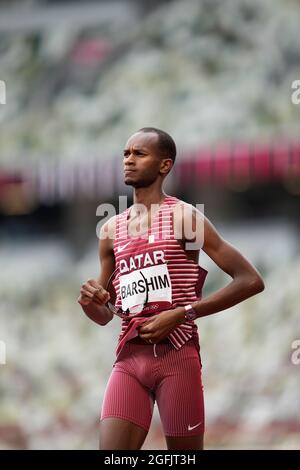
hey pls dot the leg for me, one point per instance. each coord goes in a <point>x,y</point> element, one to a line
<point>185,443</point>
<point>180,399</point>
<point>126,412</point>
<point>120,434</point>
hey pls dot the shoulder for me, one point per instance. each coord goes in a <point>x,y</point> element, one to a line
<point>186,215</point>
<point>189,223</point>
<point>108,230</point>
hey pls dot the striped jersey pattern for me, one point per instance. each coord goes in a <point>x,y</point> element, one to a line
<point>187,277</point>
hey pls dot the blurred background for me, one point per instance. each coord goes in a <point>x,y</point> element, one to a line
<point>80,78</point>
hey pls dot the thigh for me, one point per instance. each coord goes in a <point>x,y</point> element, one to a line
<point>126,412</point>
<point>120,434</point>
<point>180,398</point>
<point>185,443</point>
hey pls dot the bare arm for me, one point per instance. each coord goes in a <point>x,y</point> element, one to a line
<point>246,280</point>
<point>93,294</point>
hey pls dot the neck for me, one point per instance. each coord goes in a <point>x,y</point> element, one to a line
<point>148,196</point>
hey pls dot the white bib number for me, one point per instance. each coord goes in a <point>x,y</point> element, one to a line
<point>133,289</point>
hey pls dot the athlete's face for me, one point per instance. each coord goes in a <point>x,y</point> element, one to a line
<point>142,160</point>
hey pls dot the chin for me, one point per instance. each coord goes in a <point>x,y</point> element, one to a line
<point>135,183</point>
<point>132,182</point>
<point>129,182</point>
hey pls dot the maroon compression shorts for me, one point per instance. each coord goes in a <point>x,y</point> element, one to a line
<point>144,373</point>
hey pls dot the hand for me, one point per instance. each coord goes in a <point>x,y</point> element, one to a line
<point>159,326</point>
<point>92,291</point>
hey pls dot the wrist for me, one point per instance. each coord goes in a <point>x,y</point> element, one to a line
<point>179,314</point>
<point>98,313</point>
<point>190,312</point>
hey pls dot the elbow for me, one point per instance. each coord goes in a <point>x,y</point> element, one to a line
<point>257,285</point>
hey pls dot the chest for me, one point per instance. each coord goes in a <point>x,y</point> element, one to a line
<point>139,224</point>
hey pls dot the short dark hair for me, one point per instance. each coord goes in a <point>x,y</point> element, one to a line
<point>166,144</point>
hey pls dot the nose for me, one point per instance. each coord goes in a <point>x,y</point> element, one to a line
<point>129,160</point>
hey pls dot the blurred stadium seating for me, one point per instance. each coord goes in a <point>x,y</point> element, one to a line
<point>82,78</point>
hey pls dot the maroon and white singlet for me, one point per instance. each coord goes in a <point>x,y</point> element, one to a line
<point>173,279</point>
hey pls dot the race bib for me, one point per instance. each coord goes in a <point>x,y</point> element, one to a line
<point>133,287</point>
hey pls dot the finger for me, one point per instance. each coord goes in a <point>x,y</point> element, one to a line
<point>102,294</point>
<point>102,298</point>
<point>95,292</point>
<point>146,325</point>
<point>94,287</point>
<point>146,329</point>
<point>86,293</point>
<point>88,288</point>
<point>98,301</point>
<point>93,283</point>
<point>146,337</point>
<point>83,300</point>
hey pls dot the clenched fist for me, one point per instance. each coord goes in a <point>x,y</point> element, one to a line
<point>92,291</point>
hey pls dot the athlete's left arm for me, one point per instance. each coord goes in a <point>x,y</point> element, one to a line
<point>246,280</point>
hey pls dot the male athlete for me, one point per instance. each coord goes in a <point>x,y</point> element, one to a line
<point>154,253</point>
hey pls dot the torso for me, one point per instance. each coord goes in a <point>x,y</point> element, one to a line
<point>173,273</point>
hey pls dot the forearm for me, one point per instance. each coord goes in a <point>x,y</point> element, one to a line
<point>98,313</point>
<point>236,291</point>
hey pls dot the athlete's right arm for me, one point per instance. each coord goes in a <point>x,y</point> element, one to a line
<point>93,295</point>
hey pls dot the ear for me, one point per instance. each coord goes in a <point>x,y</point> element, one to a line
<point>166,166</point>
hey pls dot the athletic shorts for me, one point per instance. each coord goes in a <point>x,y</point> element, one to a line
<point>144,373</point>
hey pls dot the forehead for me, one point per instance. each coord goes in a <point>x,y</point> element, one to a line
<point>143,139</point>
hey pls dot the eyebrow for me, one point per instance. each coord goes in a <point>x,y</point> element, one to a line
<point>137,150</point>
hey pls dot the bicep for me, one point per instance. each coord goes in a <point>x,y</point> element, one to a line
<point>225,255</point>
<point>107,261</point>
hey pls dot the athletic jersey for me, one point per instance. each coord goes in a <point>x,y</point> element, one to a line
<point>155,257</point>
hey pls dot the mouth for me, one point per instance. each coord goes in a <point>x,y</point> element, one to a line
<point>128,172</point>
